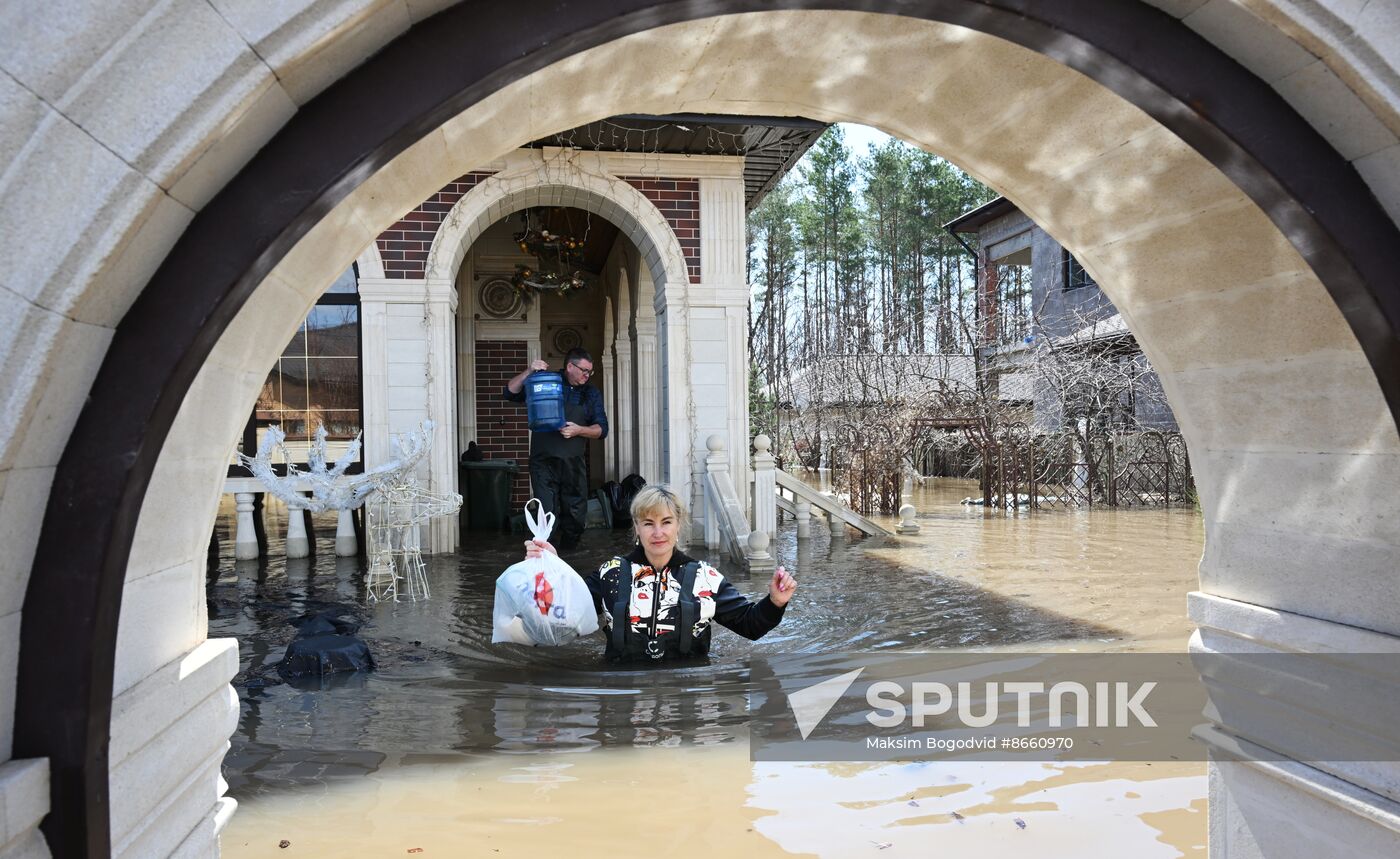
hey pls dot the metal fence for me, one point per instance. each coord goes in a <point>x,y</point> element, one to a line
<point>1111,469</point>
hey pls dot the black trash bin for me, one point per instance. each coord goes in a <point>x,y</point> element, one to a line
<point>486,493</point>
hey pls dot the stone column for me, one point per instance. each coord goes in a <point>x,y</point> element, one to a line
<point>374,371</point>
<point>626,387</point>
<point>648,396</point>
<point>441,364</point>
<point>607,366</point>
<point>724,286</point>
<point>410,374</point>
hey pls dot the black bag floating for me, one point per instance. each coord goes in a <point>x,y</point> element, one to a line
<point>325,644</point>
<point>319,655</point>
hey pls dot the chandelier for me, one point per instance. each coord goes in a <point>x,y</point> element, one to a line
<point>558,259</point>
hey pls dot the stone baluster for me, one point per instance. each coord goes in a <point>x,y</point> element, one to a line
<point>245,537</point>
<point>298,546</point>
<point>765,488</point>
<point>834,522</point>
<point>804,520</point>
<point>345,543</point>
<point>759,558</point>
<point>716,462</point>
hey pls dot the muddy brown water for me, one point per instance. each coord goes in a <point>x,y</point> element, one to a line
<point>461,748</point>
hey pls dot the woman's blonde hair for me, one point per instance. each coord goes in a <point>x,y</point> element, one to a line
<point>657,497</point>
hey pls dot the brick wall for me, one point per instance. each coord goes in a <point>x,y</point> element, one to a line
<point>679,201</point>
<point>404,246</point>
<point>501,429</point>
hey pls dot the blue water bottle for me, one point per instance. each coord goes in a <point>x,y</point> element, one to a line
<point>544,401</point>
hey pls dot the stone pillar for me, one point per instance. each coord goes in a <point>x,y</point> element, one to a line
<point>724,287</point>
<point>765,488</point>
<point>440,319</point>
<point>804,520</point>
<point>245,537</point>
<point>648,397</point>
<point>626,385</point>
<point>374,369</point>
<point>409,355</point>
<point>608,366</point>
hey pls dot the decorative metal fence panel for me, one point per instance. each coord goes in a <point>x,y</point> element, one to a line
<point>1139,469</point>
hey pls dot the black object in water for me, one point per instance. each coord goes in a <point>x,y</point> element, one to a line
<point>328,653</point>
<point>325,644</point>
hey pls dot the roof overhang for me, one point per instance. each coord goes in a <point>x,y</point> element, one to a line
<point>770,145</point>
<point>971,221</point>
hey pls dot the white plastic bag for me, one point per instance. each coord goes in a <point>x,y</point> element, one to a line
<point>541,600</point>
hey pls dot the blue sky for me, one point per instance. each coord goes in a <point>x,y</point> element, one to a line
<point>859,137</point>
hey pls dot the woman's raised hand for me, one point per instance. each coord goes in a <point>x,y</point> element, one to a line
<point>780,590</point>
<point>536,548</point>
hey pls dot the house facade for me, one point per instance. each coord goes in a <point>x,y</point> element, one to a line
<point>444,322</point>
<point>1047,331</point>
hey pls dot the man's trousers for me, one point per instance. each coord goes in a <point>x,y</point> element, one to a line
<point>561,485</point>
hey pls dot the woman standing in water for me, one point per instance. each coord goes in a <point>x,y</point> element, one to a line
<point>657,603</point>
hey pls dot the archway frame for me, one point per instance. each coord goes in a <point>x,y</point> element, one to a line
<point>581,180</point>
<point>1240,125</point>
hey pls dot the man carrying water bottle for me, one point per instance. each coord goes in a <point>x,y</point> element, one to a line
<point>558,470</point>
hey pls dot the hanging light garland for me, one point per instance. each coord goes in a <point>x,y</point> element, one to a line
<point>558,258</point>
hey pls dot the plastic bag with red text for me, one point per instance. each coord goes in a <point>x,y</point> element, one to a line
<point>541,601</point>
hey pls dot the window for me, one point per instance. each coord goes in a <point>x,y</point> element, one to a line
<point>316,380</point>
<point>1075,275</point>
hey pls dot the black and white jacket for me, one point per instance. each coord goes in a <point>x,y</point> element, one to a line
<point>647,614</point>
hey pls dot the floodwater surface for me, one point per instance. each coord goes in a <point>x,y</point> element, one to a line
<point>456,747</point>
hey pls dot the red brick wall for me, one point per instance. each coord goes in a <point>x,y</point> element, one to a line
<point>404,246</point>
<point>679,201</point>
<point>501,429</point>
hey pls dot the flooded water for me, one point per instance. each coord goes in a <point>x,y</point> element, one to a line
<point>457,747</point>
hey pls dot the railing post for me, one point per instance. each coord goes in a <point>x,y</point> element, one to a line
<point>907,523</point>
<point>804,520</point>
<point>834,523</point>
<point>345,543</point>
<point>298,546</point>
<point>716,462</point>
<point>245,535</point>
<point>759,558</point>
<point>765,488</point>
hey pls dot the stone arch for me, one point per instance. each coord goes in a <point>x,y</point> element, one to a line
<point>1302,224</point>
<point>562,182</point>
<point>565,182</point>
